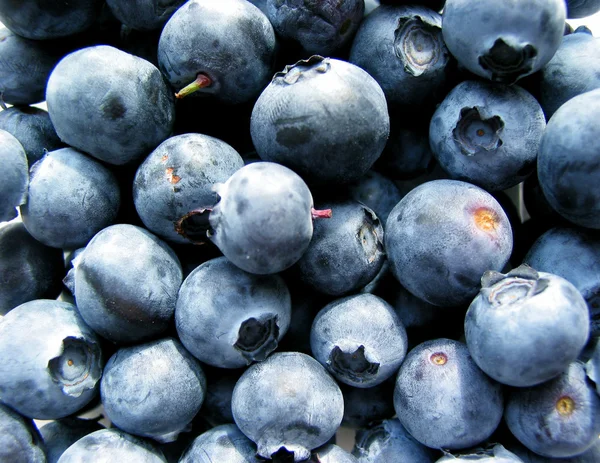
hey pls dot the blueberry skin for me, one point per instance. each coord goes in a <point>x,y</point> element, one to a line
<point>301,121</point>
<point>29,269</point>
<point>377,192</point>
<point>71,198</point>
<point>110,445</point>
<point>443,399</point>
<point>224,443</point>
<point>526,327</point>
<point>345,252</point>
<point>24,68</point>
<point>174,183</point>
<point>33,128</point>
<point>288,401</point>
<point>593,367</point>
<point>231,41</point>
<point>42,20</point>
<point>436,223</point>
<point>50,360</point>
<point>567,160</point>
<point>263,220</point>
<point>503,41</point>
<point>144,15</point>
<point>227,317</point>
<point>403,49</point>
<point>559,418</point>
<point>591,455</point>
<point>365,406</point>
<point>389,442</point>
<point>126,284</point>
<point>495,454</point>
<point>331,453</point>
<point>59,435</point>
<point>110,104</point>
<point>359,339</point>
<point>216,408</point>
<point>487,133</point>
<point>582,8</point>
<point>153,390</point>
<point>574,69</point>
<point>574,254</point>
<point>319,27</point>
<point>20,441</point>
<point>14,180</point>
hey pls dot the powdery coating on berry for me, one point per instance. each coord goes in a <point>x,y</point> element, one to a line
<point>19,438</point>
<point>14,176</point>
<point>224,443</point>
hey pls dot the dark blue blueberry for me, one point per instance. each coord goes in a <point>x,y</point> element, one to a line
<point>593,367</point>
<point>442,236</point>
<point>20,441</point>
<point>59,435</point>
<point>287,402</point>
<point>50,360</point>
<point>110,104</point>
<point>582,8</point>
<point>403,49</point>
<point>359,339</point>
<point>41,19</point>
<point>443,399</point>
<point>14,179</point>
<point>225,49</point>
<point>574,69</point>
<point>144,14</point>
<point>389,442</point>
<point>33,128</point>
<point>568,161</point>
<point>526,327</point>
<point>29,269</point>
<point>345,252</point>
<point>501,41</point>
<point>172,189</point>
<point>216,408</point>
<point>321,28</point>
<point>494,453</point>
<point>153,390</point>
<point>112,445</point>
<point>229,318</point>
<point>487,134</point>
<point>71,198</point>
<point>224,443</point>
<point>140,43</point>
<point>574,254</point>
<point>559,418</point>
<point>324,118</point>
<point>126,284</point>
<point>377,192</point>
<point>364,406</point>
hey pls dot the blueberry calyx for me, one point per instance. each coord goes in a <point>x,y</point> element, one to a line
<point>77,367</point>
<point>367,235</point>
<point>303,68</point>
<point>419,45</point>
<point>519,284</point>
<point>201,81</point>
<point>257,338</point>
<point>352,365</point>
<point>508,62</point>
<point>195,225</point>
<point>565,406</point>
<point>474,133</point>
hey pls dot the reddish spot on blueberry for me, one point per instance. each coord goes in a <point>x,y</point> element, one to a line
<point>439,358</point>
<point>486,219</point>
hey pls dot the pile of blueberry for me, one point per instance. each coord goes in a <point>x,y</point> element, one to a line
<point>243,226</point>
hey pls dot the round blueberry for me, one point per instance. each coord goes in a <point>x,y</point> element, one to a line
<point>20,440</point>
<point>224,443</point>
<point>14,179</point>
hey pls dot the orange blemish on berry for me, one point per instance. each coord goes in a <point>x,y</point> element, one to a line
<point>486,219</point>
<point>439,358</point>
<point>164,158</point>
<point>171,177</point>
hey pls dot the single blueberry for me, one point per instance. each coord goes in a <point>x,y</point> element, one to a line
<point>144,14</point>
<point>224,443</point>
<point>20,441</point>
<point>582,8</point>
<point>14,179</point>
<point>220,382</point>
<point>493,453</point>
<point>331,453</point>
<point>377,192</point>
<point>593,367</point>
<point>59,435</point>
<point>365,406</point>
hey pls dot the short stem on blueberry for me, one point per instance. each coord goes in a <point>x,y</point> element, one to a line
<point>202,81</point>
<point>320,214</point>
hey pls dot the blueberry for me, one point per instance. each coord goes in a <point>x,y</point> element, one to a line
<point>345,252</point>
<point>108,445</point>
<point>442,236</point>
<point>500,40</point>
<point>59,435</point>
<point>144,14</point>
<point>567,160</point>
<point>50,360</point>
<point>20,441</point>
<point>172,189</point>
<point>263,222</point>
<point>526,327</point>
<point>14,178</point>
<point>591,455</point>
<point>559,418</point>
<point>593,367</point>
<point>582,8</point>
<point>301,120</point>
<point>359,339</point>
<point>443,399</point>
<point>225,49</point>
<point>227,317</point>
<point>33,128</point>
<point>319,27</point>
<point>30,270</point>
<point>287,402</point>
<point>494,453</point>
<point>331,453</point>
<point>487,134</point>
<point>403,49</point>
<point>153,389</point>
<point>126,284</point>
<point>110,104</point>
<point>216,408</point>
<point>224,443</point>
<point>377,192</point>
<point>389,442</point>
